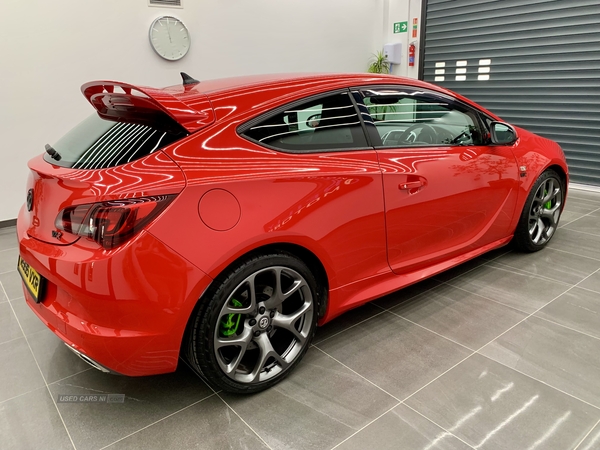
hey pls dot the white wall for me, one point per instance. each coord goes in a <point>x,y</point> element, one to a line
<point>403,11</point>
<point>49,49</point>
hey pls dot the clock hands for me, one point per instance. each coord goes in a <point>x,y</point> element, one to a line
<point>169,31</point>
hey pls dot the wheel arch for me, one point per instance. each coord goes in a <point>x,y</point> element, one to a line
<point>298,251</point>
<point>563,177</point>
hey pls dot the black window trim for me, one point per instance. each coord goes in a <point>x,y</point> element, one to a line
<point>242,128</point>
<point>452,101</point>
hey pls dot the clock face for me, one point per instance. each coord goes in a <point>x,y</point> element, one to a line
<point>169,38</point>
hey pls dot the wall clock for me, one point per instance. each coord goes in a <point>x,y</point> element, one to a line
<point>169,38</point>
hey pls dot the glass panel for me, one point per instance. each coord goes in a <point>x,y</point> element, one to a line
<point>98,144</point>
<point>328,123</point>
<point>404,119</point>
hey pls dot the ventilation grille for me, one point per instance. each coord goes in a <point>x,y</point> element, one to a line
<point>166,3</point>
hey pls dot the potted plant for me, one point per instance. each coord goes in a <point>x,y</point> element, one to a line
<point>379,64</point>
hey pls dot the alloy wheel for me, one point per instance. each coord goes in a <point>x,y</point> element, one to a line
<point>263,325</point>
<point>545,211</point>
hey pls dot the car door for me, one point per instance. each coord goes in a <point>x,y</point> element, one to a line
<point>445,192</point>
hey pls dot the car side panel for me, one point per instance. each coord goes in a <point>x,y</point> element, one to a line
<point>464,197</point>
<point>329,203</point>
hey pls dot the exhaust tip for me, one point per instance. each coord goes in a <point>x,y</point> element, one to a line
<point>89,360</point>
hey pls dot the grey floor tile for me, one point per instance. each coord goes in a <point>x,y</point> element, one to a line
<point>9,326</point>
<point>396,355</point>
<point>569,216</point>
<point>208,425</point>
<point>27,318</point>
<point>592,282</point>
<point>55,360</point>
<point>578,309</point>
<point>581,205</point>
<point>3,296</point>
<point>402,428</point>
<point>587,224</point>
<point>592,441</point>
<point>510,287</point>
<point>12,284</point>
<point>579,194</point>
<point>345,321</point>
<point>576,243</point>
<point>317,406</point>
<point>147,399</point>
<point>493,407</point>
<point>575,209</point>
<point>563,358</point>
<point>391,300</point>
<point>8,259</point>
<point>466,318</point>
<point>19,373</point>
<point>549,263</point>
<point>31,421</point>
<point>8,238</point>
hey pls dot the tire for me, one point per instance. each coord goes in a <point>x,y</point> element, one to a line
<point>254,324</point>
<point>541,213</point>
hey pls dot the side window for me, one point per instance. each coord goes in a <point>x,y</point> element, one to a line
<point>323,124</point>
<point>406,119</point>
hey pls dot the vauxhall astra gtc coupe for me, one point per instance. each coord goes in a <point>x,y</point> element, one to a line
<point>222,221</point>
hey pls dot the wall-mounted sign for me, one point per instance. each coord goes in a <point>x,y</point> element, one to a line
<point>415,27</point>
<point>400,27</point>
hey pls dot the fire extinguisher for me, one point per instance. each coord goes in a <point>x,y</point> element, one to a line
<point>411,55</point>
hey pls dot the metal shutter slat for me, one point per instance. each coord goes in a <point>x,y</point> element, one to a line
<point>545,67</point>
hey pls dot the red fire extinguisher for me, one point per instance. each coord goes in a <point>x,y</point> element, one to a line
<point>411,55</point>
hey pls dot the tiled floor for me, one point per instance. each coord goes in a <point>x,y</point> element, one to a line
<point>500,353</point>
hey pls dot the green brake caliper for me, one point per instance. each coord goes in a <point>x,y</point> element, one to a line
<point>548,204</point>
<point>231,322</point>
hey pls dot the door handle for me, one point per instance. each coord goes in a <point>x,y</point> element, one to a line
<point>411,185</point>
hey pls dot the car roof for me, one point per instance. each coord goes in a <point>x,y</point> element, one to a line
<point>189,104</point>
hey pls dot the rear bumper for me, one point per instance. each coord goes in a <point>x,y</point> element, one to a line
<point>126,309</point>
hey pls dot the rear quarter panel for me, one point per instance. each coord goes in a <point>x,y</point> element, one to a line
<point>329,203</point>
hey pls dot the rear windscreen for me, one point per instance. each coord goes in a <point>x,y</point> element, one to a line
<point>98,144</point>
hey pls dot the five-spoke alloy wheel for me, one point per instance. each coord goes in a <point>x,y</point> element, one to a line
<point>255,324</point>
<point>541,213</point>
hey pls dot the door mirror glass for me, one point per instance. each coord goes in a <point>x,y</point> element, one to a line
<point>502,133</point>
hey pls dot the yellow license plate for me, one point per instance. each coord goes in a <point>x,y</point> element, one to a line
<point>33,280</point>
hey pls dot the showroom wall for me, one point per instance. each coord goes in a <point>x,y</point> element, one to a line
<point>49,49</point>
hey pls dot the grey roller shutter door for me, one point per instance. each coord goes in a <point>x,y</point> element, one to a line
<point>544,73</point>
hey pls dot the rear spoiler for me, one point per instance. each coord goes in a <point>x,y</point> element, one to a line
<point>124,102</point>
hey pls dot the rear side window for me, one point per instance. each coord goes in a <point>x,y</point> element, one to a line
<point>324,124</point>
<point>99,144</point>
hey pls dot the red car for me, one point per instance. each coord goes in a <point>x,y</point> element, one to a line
<point>223,220</point>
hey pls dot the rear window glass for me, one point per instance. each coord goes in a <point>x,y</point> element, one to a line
<point>99,144</point>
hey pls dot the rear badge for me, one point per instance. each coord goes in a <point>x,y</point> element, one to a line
<point>29,199</point>
<point>56,234</point>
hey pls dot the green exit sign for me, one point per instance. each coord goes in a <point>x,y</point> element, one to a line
<point>400,27</point>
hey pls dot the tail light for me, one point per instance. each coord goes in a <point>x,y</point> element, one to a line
<point>111,223</point>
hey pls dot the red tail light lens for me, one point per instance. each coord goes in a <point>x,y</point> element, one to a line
<point>111,223</point>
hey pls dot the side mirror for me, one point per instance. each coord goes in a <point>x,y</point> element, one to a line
<point>502,133</point>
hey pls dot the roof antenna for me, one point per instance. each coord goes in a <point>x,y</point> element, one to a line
<point>188,80</point>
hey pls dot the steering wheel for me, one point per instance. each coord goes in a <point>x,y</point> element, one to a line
<point>313,121</point>
<point>427,134</point>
